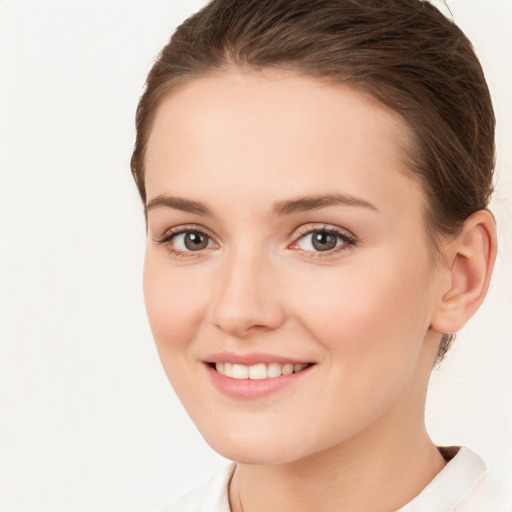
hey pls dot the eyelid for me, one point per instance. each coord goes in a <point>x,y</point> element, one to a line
<point>165,241</point>
<point>322,226</point>
<point>348,238</point>
<point>184,228</point>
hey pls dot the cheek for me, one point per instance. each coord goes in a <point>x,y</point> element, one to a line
<point>174,304</point>
<point>371,325</point>
<point>371,311</point>
<point>175,307</point>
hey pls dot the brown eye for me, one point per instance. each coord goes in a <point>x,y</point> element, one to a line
<point>323,241</point>
<point>189,241</point>
<point>195,241</point>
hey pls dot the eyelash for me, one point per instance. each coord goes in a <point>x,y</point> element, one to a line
<point>348,240</point>
<point>174,232</point>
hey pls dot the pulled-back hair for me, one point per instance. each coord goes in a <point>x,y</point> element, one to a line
<point>405,53</point>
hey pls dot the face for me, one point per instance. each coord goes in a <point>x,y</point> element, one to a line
<point>284,236</point>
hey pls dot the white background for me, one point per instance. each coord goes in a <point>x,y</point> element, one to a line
<point>88,421</point>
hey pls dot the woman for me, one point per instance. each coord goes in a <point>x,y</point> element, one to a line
<point>315,176</point>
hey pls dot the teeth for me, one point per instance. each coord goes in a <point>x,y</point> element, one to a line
<point>258,371</point>
<point>287,369</point>
<point>274,370</point>
<point>228,369</point>
<point>240,371</point>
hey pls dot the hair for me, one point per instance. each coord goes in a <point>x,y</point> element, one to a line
<point>405,53</point>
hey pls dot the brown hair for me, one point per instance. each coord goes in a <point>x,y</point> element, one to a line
<point>405,53</point>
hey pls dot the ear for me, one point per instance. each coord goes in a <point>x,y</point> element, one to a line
<point>470,259</point>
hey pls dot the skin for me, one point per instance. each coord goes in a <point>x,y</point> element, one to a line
<point>350,435</point>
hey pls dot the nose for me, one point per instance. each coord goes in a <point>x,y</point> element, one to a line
<point>247,298</point>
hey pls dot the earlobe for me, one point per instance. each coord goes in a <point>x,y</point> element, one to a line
<point>471,260</point>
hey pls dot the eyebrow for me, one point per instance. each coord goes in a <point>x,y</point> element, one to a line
<point>178,203</point>
<point>285,207</point>
<point>306,203</point>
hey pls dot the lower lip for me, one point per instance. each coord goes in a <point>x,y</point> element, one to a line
<point>253,388</point>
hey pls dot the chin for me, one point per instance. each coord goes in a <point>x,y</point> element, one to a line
<point>256,455</point>
<point>255,449</point>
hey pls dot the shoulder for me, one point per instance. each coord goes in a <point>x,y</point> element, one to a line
<point>212,496</point>
<point>464,485</point>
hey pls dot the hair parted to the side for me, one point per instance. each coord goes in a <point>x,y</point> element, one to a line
<point>405,53</point>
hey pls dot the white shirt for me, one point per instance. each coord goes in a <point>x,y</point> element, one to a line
<point>463,485</point>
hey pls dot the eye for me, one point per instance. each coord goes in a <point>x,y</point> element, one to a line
<point>324,239</point>
<point>186,241</point>
<point>190,241</point>
<point>319,241</point>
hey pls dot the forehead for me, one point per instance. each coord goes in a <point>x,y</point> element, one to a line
<point>268,134</point>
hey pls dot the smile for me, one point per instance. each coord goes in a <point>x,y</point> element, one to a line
<point>256,379</point>
<point>258,371</point>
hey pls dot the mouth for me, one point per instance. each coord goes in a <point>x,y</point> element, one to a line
<point>254,375</point>
<point>259,371</point>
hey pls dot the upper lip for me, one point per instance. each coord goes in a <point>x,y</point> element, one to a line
<point>251,358</point>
